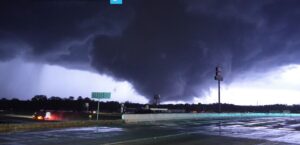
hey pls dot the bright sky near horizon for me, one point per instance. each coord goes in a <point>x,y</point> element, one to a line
<point>281,85</point>
<point>278,86</point>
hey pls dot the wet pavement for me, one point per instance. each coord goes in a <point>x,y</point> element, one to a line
<point>280,130</point>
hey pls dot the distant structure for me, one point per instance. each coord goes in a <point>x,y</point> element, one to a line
<point>122,110</point>
<point>219,78</point>
<point>156,99</point>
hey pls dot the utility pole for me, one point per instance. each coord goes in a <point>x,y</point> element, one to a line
<point>219,78</point>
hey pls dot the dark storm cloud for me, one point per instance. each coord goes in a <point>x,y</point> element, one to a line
<point>57,31</point>
<point>171,47</point>
<point>9,48</point>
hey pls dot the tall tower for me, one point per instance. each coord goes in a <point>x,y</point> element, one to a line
<point>156,99</point>
<point>219,78</point>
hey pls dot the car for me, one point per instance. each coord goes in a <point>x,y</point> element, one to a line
<point>40,115</point>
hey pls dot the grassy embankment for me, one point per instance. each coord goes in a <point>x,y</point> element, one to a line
<point>54,125</point>
<point>24,122</point>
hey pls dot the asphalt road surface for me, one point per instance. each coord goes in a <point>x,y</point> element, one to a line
<point>269,131</point>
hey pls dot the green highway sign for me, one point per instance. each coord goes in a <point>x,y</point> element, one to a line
<point>101,95</point>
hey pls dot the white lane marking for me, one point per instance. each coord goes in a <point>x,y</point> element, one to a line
<point>150,138</point>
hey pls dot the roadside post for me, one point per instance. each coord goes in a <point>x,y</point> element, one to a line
<point>87,106</point>
<point>99,96</point>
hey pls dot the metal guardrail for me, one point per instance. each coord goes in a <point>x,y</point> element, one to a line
<point>177,116</point>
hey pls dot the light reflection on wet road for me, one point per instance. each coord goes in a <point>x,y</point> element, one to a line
<point>272,129</point>
<point>278,130</point>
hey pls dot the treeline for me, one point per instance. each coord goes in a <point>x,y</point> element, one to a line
<point>39,102</point>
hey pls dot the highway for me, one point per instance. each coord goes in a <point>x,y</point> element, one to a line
<point>279,130</point>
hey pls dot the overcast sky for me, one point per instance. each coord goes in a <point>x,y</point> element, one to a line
<point>146,47</point>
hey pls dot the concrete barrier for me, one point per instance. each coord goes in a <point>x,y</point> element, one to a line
<point>129,118</point>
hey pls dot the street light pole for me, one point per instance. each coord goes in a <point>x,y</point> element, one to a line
<point>219,95</point>
<point>219,78</point>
